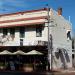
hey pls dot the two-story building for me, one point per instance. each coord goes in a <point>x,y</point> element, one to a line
<point>28,30</point>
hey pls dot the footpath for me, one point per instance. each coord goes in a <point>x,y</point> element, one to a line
<point>61,72</point>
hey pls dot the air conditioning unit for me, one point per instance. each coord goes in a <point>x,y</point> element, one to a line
<point>42,43</point>
<point>39,42</point>
<point>45,43</point>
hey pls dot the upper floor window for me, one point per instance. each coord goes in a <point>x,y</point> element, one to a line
<point>73,43</point>
<point>5,31</point>
<point>0,30</point>
<point>68,35</point>
<point>12,31</point>
<point>39,31</point>
<point>22,32</point>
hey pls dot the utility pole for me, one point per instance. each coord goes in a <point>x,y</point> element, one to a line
<point>49,40</point>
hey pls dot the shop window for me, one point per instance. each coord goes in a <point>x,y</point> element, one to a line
<point>22,32</point>
<point>39,32</point>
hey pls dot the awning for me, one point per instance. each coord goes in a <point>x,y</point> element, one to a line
<point>34,52</point>
<point>19,52</point>
<point>5,52</point>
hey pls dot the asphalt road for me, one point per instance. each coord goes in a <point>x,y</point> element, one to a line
<point>36,73</point>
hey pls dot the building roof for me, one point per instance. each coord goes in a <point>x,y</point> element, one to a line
<point>29,11</point>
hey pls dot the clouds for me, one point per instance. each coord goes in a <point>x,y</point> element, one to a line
<point>16,3</point>
<point>9,6</point>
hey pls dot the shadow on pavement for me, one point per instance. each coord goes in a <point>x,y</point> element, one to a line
<point>25,73</point>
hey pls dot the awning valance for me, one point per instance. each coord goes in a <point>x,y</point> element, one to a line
<point>5,52</point>
<point>34,52</point>
<point>19,52</point>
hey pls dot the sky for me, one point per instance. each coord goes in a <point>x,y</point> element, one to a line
<point>12,6</point>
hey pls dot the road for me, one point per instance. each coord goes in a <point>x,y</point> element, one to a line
<point>36,73</point>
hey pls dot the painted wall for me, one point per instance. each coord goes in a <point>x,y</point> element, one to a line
<point>58,29</point>
<point>60,41</point>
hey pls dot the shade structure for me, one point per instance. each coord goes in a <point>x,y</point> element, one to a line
<point>5,52</point>
<point>34,52</point>
<point>19,52</point>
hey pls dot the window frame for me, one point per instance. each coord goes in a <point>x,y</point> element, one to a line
<point>22,32</point>
<point>5,31</point>
<point>39,31</point>
<point>69,35</point>
<point>12,31</point>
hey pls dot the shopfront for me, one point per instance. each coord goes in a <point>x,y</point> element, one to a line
<point>20,60</point>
